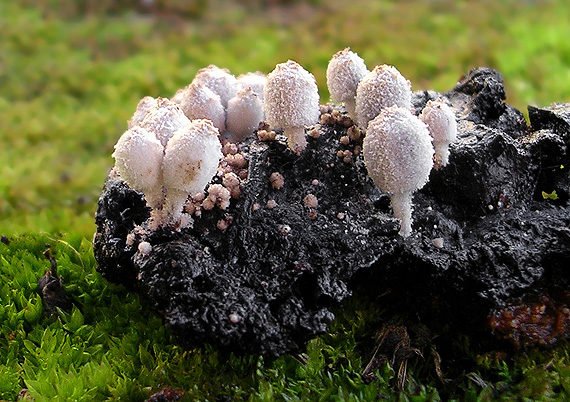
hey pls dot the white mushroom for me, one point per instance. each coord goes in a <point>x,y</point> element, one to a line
<point>164,120</point>
<point>255,81</point>
<point>291,102</point>
<point>382,87</point>
<point>219,80</point>
<point>199,102</point>
<point>442,126</point>
<point>178,96</point>
<point>398,155</point>
<point>138,158</point>
<point>245,111</point>
<point>345,70</point>
<point>144,105</point>
<point>190,162</point>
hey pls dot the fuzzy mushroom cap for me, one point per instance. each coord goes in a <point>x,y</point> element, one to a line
<point>144,105</point>
<point>398,152</point>
<point>178,96</point>
<point>382,87</point>
<point>345,70</point>
<point>440,120</point>
<point>291,96</point>
<point>191,157</point>
<point>164,119</point>
<point>200,102</point>
<point>219,80</point>
<point>255,81</point>
<point>245,111</point>
<point>138,158</point>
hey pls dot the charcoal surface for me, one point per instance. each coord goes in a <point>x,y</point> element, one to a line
<point>483,233</point>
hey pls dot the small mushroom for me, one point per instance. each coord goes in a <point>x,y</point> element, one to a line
<point>291,102</point>
<point>164,119</point>
<point>398,154</point>
<point>219,80</point>
<point>345,70</point>
<point>256,81</point>
<point>138,159</point>
<point>190,162</point>
<point>200,102</point>
<point>442,126</point>
<point>144,105</point>
<point>245,111</point>
<point>382,87</point>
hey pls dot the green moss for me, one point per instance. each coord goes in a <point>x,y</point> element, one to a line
<point>110,345</point>
<point>550,196</point>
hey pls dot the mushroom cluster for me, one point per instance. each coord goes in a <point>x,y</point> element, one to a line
<point>167,157</point>
<point>234,105</point>
<point>171,150</point>
<point>397,148</point>
<point>344,72</point>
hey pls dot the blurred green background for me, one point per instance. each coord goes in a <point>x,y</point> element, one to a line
<point>72,72</point>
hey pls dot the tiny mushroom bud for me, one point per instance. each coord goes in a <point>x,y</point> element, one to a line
<point>219,195</point>
<point>200,102</point>
<point>219,80</point>
<point>398,155</point>
<point>310,201</point>
<point>442,126</point>
<point>138,158</point>
<point>144,105</point>
<point>291,102</point>
<point>164,120</point>
<point>277,180</point>
<point>344,72</point>
<point>244,113</point>
<point>232,182</point>
<point>382,87</point>
<point>190,161</point>
<point>145,248</point>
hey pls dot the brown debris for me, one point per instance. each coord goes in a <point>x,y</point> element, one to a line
<point>540,322</point>
<point>266,135</point>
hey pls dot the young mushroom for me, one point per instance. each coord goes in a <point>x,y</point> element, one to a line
<point>291,102</point>
<point>144,105</point>
<point>255,81</point>
<point>245,111</point>
<point>219,80</point>
<point>382,87</point>
<point>442,126</point>
<point>138,159</point>
<point>345,70</point>
<point>200,102</point>
<point>190,162</point>
<point>164,119</point>
<point>398,155</point>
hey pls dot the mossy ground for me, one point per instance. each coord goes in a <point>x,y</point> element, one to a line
<point>69,83</point>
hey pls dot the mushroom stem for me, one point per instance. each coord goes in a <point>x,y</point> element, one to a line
<point>296,140</point>
<point>441,154</point>
<point>350,105</point>
<point>402,207</point>
<point>174,203</point>
<point>155,196</point>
